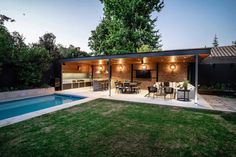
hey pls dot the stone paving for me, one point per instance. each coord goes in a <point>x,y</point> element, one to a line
<point>221,102</point>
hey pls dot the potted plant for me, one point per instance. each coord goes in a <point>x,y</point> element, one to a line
<point>185,85</point>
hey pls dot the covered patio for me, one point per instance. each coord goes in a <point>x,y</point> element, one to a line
<point>98,75</point>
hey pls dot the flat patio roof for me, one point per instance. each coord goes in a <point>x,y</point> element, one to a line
<point>202,52</point>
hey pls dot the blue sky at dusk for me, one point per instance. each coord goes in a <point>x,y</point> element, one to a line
<point>182,23</point>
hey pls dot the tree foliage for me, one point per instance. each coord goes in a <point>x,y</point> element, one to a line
<point>215,42</point>
<point>70,52</point>
<point>6,46</point>
<point>127,25</point>
<point>32,64</point>
<point>48,41</point>
<point>145,48</point>
<point>4,18</point>
<point>234,42</point>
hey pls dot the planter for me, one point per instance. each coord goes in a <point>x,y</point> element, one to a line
<point>217,92</point>
<point>19,94</point>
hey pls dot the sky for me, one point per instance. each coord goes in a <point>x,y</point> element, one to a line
<point>181,23</point>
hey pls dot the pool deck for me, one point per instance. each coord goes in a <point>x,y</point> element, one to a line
<point>87,92</point>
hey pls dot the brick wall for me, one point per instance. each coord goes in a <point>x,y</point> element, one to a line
<point>100,72</point>
<point>164,72</point>
<point>145,81</point>
<point>179,74</point>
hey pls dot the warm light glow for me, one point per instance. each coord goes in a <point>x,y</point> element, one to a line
<point>172,59</point>
<point>144,67</point>
<point>144,60</point>
<point>120,61</point>
<point>172,67</point>
<point>120,68</point>
<point>100,68</point>
<point>79,68</point>
<point>100,62</point>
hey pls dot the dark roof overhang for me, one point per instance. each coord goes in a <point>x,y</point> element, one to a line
<point>180,52</point>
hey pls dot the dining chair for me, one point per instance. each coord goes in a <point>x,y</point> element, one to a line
<point>168,90</point>
<point>151,90</point>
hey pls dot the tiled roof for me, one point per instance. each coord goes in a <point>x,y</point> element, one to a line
<point>223,51</point>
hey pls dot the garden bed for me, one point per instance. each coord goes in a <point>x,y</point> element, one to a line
<point>217,92</point>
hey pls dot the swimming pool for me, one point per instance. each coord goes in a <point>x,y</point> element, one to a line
<point>19,107</point>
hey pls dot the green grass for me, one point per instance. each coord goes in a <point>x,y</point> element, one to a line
<point>115,128</point>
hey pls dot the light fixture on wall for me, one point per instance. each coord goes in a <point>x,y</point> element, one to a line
<point>120,68</point>
<point>144,66</point>
<point>100,68</point>
<point>172,67</point>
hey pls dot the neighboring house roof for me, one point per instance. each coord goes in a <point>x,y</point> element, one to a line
<point>223,51</point>
<point>222,54</point>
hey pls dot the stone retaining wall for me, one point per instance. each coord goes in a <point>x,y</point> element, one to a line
<point>19,94</point>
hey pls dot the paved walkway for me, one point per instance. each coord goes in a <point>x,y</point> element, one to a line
<point>87,92</point>
<point>220,102</point>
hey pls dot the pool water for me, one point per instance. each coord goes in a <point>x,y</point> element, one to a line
<point>19,107</point>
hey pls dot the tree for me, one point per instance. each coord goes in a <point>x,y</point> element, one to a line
<point>4,18</point>
<point>215,42</point>
<point>48,41</point>
<point>145,48</point>
<point>127,25</point>
<point>234,42</point>
<point>6,45</point>
<point>97,41</point>
<point>70,52</point>
<point>31,66</point>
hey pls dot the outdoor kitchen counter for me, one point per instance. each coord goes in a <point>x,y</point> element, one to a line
<point>100,84</point>
<point>76,83</point>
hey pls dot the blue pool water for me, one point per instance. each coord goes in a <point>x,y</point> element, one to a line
<point>19,107</point>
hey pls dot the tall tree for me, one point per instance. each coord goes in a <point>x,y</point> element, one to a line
<point>215,41</point>
<point>48,41</point>
<point>234,42</point>
<point>127,25</point>
<point>4,18</point>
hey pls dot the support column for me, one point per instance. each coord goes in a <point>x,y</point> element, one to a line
<point>132,70</point>
<point>196,78</point>
<point>61,78</point>
<point>109,76</point>
<point>92,72</point>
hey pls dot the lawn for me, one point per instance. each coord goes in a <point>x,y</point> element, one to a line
<point>115,128</point>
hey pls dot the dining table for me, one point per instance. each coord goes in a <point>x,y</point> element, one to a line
<point>128,87</point>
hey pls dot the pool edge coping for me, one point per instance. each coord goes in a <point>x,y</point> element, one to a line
<point>20,118</point>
